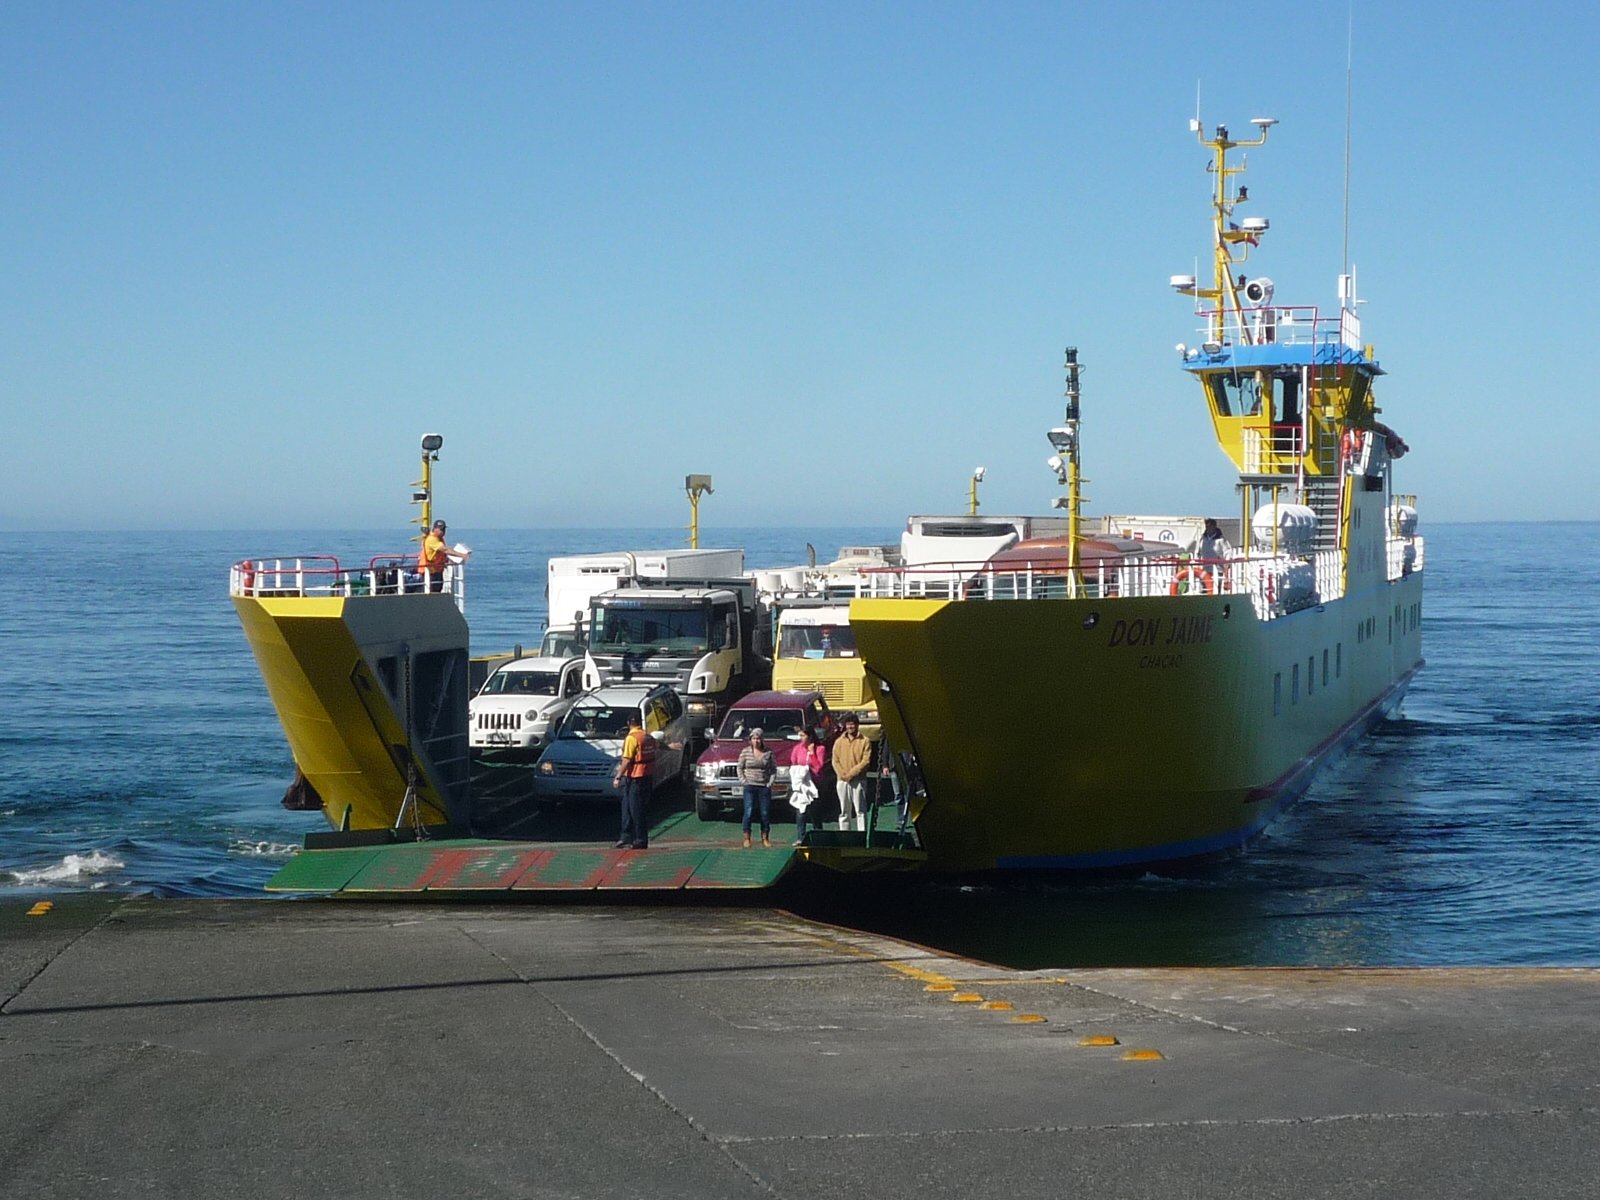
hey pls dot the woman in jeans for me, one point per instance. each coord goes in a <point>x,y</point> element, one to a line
<point>756,770</point>
<point>806,762</point>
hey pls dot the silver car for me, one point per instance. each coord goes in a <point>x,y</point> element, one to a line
<point>584,751</point>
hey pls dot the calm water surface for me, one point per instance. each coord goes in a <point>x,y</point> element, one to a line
<point>142,755</point>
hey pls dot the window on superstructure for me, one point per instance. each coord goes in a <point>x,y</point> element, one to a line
<point>1294,685</point>
<point>1311,674</point>
<point>1277,693</point>
<point>1234,393</point>
<point>1338,661</point>
<point>1324,668</point>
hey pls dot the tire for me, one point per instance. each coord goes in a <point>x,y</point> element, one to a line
<point>708,808</point>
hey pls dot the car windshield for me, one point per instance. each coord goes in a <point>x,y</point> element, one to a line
<point>817,641</point>
<point>592,723</point>
<point>522,683</point>
<point>774,723</point>
<point>649,630</point>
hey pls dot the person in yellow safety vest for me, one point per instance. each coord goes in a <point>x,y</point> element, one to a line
<point>434,556</point>
<point>633,777</point>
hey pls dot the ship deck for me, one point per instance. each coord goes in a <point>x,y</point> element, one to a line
<point>532,849</point>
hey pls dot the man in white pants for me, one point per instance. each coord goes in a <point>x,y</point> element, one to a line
<point>852,754</point>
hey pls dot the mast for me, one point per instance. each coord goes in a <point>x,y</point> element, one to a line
<point>1231,240</point>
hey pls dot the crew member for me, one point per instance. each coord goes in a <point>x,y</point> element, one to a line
<point>633,777</point>
<point>434,556</point>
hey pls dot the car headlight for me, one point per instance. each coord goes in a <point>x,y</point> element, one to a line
<point>705,772</point>
<point>701,708</point>
<point>531,715</point>
<point>546,768</point>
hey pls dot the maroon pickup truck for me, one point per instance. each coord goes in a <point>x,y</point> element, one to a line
<point>780,717</point>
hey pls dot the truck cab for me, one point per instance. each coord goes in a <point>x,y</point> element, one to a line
<point>816,651</point>
<point>705,641</point>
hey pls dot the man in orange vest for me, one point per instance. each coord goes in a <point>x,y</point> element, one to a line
<point>633,777</point>
<point>434,556</point>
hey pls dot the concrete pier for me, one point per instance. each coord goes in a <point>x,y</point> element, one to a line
<point>265,1049</point>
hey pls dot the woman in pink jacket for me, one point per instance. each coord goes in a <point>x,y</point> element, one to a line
<point>806,762</point>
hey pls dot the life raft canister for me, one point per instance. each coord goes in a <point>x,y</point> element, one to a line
<point>1192,575</point>
<point>1350,443</point>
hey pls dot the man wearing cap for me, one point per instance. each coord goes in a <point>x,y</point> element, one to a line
<point>434,556</point>
<point>852,754</point>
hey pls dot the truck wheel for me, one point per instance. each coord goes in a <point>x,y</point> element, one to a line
<point>707,808</point>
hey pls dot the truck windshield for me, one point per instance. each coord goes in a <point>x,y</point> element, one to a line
<point>522,683</point>
<point>590,724</point>
<point>817,641</point>
<point>648,630</point>
<point>561,643</point>
<point>774,723</point>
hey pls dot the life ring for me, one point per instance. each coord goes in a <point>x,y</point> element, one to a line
<point>1195,575</point>
<point>247,577</point>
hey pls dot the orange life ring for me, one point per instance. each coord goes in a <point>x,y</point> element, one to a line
<point>1198,575</point>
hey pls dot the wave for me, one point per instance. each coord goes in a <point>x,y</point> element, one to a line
<point>252,849</point>
<point>71,869</point>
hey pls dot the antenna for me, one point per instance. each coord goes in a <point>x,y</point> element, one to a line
<point>1349,59</point>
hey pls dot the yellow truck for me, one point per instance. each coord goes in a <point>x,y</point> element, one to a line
<point>816,652</point>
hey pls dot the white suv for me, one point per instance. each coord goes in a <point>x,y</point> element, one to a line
<point>516,707</point>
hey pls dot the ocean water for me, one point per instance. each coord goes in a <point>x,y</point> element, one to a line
<point>141,755</point>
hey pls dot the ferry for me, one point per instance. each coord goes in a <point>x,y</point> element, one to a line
<point>1098,701</point>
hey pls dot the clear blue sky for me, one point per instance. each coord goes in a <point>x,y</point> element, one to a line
<point>829,253</point>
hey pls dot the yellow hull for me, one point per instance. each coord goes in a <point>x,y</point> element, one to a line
<point>1101,733</point>
<point>360,683</point>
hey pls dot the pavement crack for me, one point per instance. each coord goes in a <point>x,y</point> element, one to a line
<point>51,958</point>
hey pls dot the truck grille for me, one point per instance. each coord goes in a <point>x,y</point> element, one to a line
<point>834,691</point>
<point>496,721</point>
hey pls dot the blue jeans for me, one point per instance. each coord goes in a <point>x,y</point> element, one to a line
<point>635,799</point>
<point>752,793</point>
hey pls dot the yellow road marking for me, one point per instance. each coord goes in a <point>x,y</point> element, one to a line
<point>39,909</point>
<point>1028,1019</point>
<point>966,998</point>
<point>1142,1056</point>
<point>997,1006</point>
<point>1099,1039</point>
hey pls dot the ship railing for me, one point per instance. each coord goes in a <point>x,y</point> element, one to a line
<point>1274,450</point>
<point>1284,324</point>
<point>316,575</point>
<point>1276,584</point>
<point>1405,556</point>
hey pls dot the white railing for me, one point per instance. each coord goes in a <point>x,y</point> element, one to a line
<point>322,575</point>
<point>1404,557</point>
<point>1276,584</point>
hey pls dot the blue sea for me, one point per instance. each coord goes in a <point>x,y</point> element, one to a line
<point>141,755</point>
